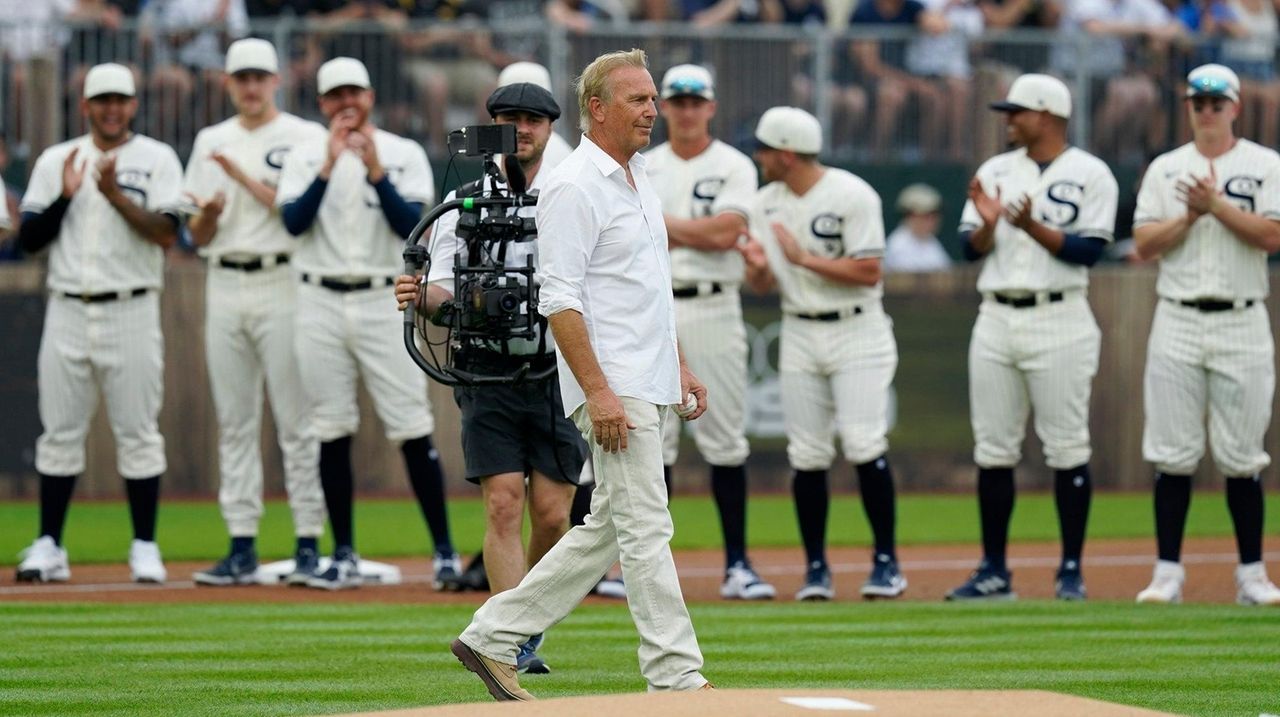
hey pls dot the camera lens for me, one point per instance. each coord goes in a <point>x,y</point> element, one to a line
<point>509,303</point>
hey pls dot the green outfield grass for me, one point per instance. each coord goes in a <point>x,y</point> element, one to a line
<point>310,659</point>
<point>99,531</point>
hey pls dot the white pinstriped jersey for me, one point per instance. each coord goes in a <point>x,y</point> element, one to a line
<point>96,250</point>
<point>838,217</point>
<point>1075,194</point>
<point>351,236</point>
<point>6,221</point>
<point>245,225</point>
<point>719,179</point>
<point>1212,263</point>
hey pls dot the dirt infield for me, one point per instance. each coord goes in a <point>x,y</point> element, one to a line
<point>1114,570</point>
<point>795,703</point>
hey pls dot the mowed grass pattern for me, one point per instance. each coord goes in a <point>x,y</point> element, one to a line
<point>98,532</point>
<point>300,659</point>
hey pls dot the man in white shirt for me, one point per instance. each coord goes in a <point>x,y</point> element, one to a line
<point>510,433</point>
<point>1210,211</point>
<point>108,203</point>
<point>913,245</point>
<point>352,196</point>
<point>607,293</point>
<point>251,305</point>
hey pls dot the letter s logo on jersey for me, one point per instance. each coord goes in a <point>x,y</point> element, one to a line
<point>1243,190</point>
<point>705,192</point>
<point>275,156</point>
<point>133,182</point>
<point>829,230</point>
<point>1063,207</point>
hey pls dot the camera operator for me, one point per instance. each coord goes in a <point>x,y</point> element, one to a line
<point>511,432</point>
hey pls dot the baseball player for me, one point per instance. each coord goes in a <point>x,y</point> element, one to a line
<point>706,188</point>
<point>558,148</point>
<point>108,203</point>
<point>516,439</point>
<point>1041,214</point>
<point>1210,211</point>
<point>250,299</point>
<point>820,239</point>
<point>352,196</point>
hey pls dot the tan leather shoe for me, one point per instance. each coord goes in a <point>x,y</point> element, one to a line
<point>500,679</point>
<point>707,686</point>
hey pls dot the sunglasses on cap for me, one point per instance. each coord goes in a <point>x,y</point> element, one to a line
<point>687,86</point>
<point>1209,85</point>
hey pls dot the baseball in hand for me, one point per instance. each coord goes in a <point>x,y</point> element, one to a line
<point>690,405</point>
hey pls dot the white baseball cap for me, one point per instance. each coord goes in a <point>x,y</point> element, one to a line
<point>252,54</point>
<point>919,199</point>
<point>1213,81</point>
<point>530,72</point>
<point>790,128</point>
<point>1038,93</point>
<point>109,79</point>
<point>342,72</point>
<point>688,81</point>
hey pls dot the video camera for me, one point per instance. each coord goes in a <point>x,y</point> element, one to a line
<point>492,303</point>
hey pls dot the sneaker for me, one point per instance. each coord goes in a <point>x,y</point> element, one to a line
<point>1166,583</point>
<point>886,579</point>
<point>44,562</point>
<point>238,568</point>
<point>985,583</point>
<point>343,572</point>
<point>306,563</point>
<point>447,568</point>
<point>527,660</point>
<point>742,583</point>
<point>144,562</point>
<point>817,583</point>
<point>1069,584</point>
<point>611,588</point>
<point>499,678</point>
<point>1253,587</point>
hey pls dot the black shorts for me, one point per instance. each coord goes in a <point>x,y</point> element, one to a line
<point>518,429</point>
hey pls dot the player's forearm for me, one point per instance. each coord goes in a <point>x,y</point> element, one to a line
<point>1050,239</point>
<point>1155,239</point>
<point>202,228</point>
<point>155,227</point>
<point>573,343</point>
<point>718,233</point>
<point>845,270</point>
<point>39,230</point>
<point>1255,230</point>
<point>264,195</point>
<point>983,239</point>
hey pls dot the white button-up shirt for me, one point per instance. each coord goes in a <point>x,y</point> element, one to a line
<point>603,247</point>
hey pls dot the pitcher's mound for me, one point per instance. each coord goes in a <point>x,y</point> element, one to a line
<point>795,703</point>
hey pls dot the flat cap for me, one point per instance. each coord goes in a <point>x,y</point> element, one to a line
<point>523,96</point>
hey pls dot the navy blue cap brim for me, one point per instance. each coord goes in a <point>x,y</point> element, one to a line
<point>1008,107</point>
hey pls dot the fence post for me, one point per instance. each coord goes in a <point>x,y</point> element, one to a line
<point>823,42</point>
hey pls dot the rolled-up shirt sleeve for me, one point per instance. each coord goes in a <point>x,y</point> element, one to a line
<point>568,229</point>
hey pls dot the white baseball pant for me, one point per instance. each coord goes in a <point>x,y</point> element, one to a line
<point>1043,358</point>
<point>359,333</point>
<point>714,341</point>
<point>835,380</point>
<point>1223,361</point>
<point>116,346</point>
<point>628,520</point>
<point>249,325</point>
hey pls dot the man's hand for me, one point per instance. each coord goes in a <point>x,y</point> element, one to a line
<point>1201,194</point>
<point>989,207</point>
<point>790,247</point>
<point>1019,213</point>
<point>407,290</point>
<point>210,207</point>
<point>340,128</point>
<point>229,166</point>
<point>753,253</point>
<point>689,384</point>
<point>609,422</point>
<point>106,169</point>
<point>361,143</point>
<point>72,178</point>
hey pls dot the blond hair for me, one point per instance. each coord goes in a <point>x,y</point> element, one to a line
<point>594,80</point>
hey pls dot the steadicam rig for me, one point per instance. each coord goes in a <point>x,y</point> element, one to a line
<point>493,304</point>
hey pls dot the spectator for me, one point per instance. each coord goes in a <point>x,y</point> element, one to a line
<point>31,33</point>
<point>1003,14</point>
<point>1118,30</point>
<point>276,8</point>
<point>806,13</point>
<point>881,63</point>
<point>943,60</point>
<point>9,250</point>
<point>580,15</point>
<point>914,246</point>
<point>711,13</point>
<point>1250,50</point>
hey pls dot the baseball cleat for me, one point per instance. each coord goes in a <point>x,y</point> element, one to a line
<point>985,583</point>
<point>885,580</point>
<point>145,565</point>
<point>1069,583</point>
<point>499,678</point>
<point>1166,583</point>
<point>527,660</point>
<point>1253,587</point>
<point>238,568</point>
<point>44,562</point>
<point>817,583</point>
<point>742,583</point>
<point>343,572</point>
<point>448,570</point>
<point>306,563</point>
<point>611,588</point>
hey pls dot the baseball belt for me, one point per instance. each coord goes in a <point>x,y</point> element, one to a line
<point>105,296</point>
<point>255,264</point>
<point>690,292</point>
<point>347,284</point>
<point>1026,302</point>
<point>1214,305</point>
